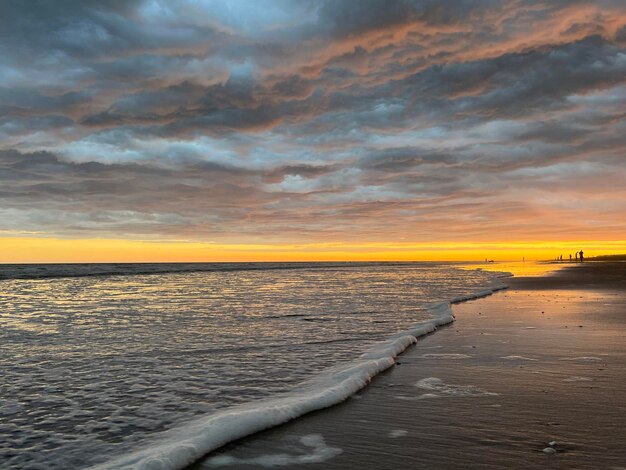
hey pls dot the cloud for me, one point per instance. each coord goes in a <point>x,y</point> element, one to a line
<point>302,121</point>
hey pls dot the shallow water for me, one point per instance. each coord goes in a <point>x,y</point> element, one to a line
<point>93,367</point>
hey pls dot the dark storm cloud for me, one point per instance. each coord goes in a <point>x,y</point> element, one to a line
<point>304,119</point>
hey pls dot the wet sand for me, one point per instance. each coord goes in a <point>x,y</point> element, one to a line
<point>537,367</point>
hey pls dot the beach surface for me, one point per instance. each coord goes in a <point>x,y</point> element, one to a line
<point>532,377</point>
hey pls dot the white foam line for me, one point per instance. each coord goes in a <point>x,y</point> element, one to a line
<point>184,445</point>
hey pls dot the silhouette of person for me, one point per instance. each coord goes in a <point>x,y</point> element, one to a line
<point>581,256</point>
<point>577,257</point>
<point>570,257</point>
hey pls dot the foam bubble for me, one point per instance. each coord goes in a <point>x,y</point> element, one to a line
<point>438,387</point>
<point>445,356</point>
<point>576,378</point>
<point>319,452</point>
<point>582,359</point>
<point>395,433</point>
<point>518,358</point>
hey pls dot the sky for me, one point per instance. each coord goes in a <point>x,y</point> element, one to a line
<point>334,129</point>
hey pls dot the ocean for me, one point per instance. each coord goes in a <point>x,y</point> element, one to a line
<point>154,365</point>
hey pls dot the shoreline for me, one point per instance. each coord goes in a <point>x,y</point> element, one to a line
<point>182,446</point>
<point>371,428</point>
<point>590,275</point>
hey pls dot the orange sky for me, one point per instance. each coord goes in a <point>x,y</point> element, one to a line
<point>51,250</point>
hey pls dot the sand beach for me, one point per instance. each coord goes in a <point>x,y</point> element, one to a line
<point>531,377</point>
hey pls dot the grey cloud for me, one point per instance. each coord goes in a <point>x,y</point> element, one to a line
<point>554,132</point>
<point>26,102</point>
<point>278,174</point>
<point>293,86</point>
<point>191,193</point>
<point>620,36</point>
<point>86,29</point>
<point>345,17</point>
<point>514,84</point>
<point>398,159</point>
<point>12,126</point>
<point>44,176</point>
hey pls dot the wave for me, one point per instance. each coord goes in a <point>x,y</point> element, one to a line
<point>47,271</point>
<point>185,445</point>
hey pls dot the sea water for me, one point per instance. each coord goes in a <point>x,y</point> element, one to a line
<point>152,366</point>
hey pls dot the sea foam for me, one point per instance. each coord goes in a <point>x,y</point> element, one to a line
<point>318,451</point>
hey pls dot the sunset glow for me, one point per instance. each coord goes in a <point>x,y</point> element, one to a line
<point>52,250</point>
<point>297,130</point>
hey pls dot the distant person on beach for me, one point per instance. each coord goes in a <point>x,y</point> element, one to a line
<point>570,257</point>
<point>577,257</point>
<point>581,256</point>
